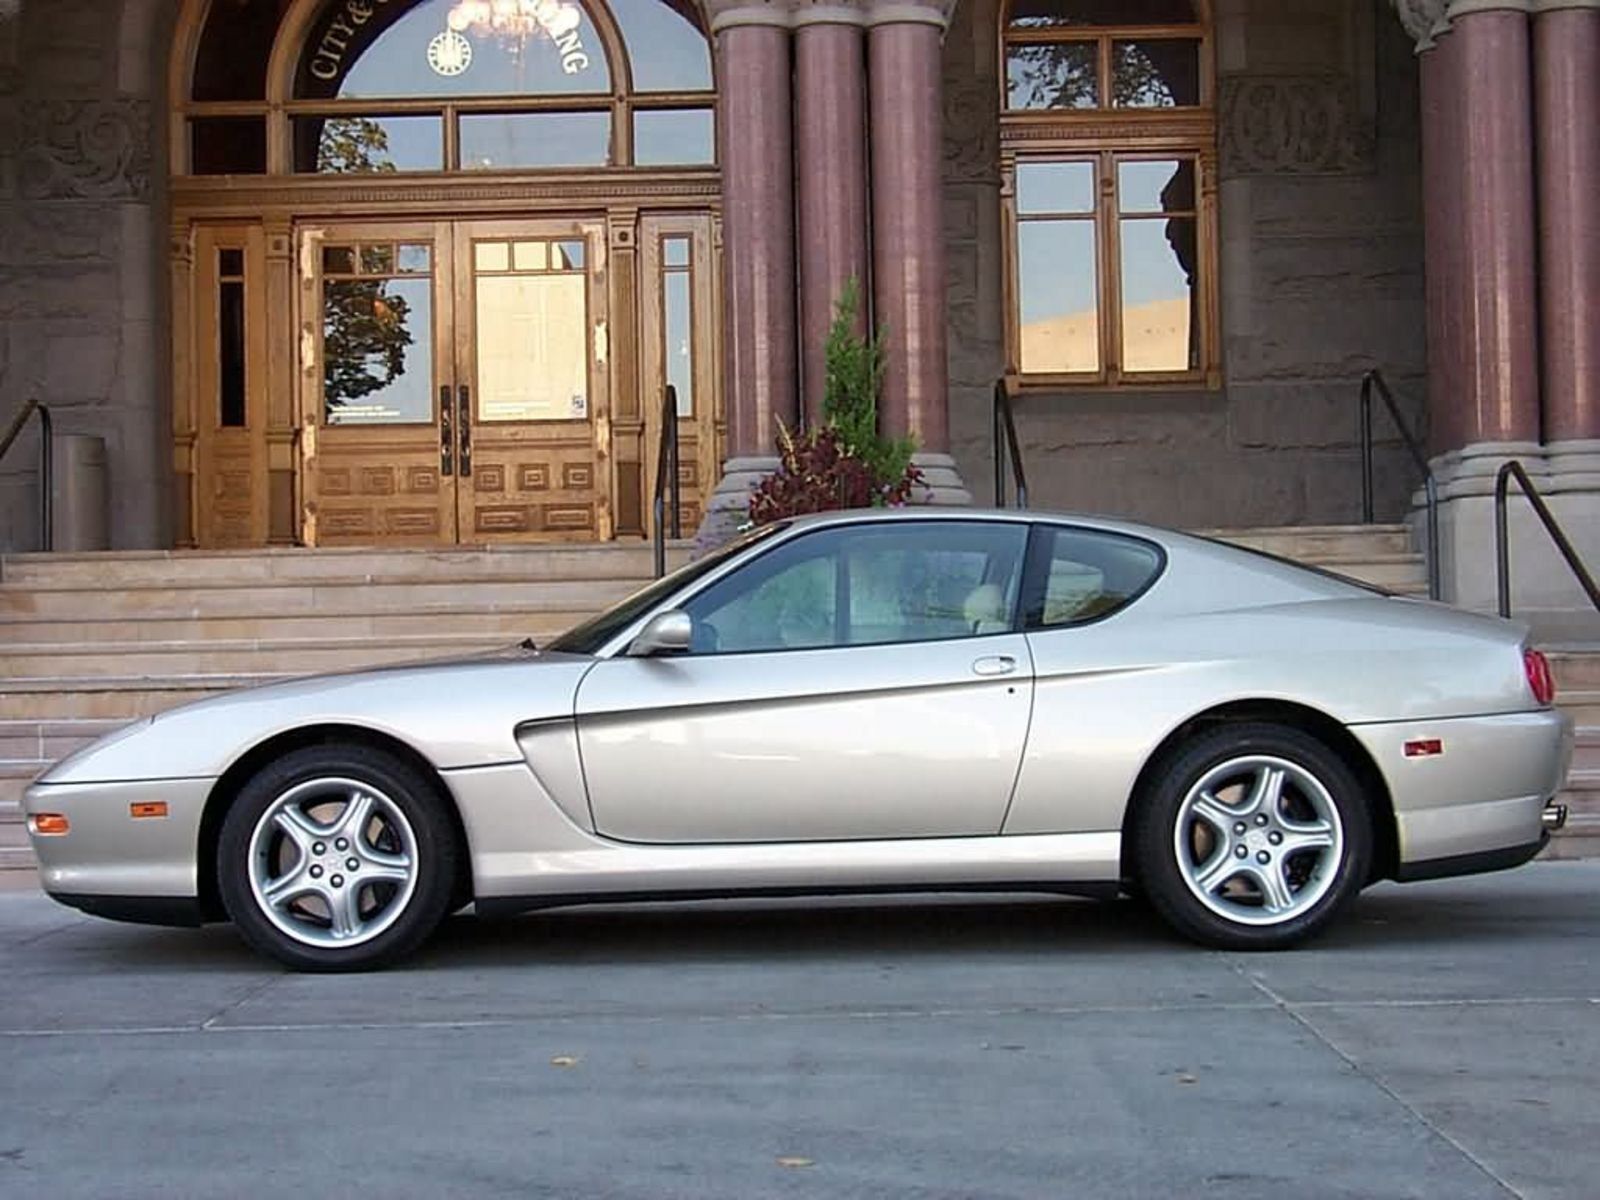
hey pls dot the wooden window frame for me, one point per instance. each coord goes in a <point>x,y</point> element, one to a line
<point>278,109</point>
<point>1106,136</point>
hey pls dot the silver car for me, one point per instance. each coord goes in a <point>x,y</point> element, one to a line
<point>855,702</point>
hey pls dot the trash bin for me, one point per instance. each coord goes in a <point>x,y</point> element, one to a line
<point>79,492</point>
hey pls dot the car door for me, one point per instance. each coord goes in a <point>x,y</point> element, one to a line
<point>855,681</point>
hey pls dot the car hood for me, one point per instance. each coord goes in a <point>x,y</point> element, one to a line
<point>459,712</point>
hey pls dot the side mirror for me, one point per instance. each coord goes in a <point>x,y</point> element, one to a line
<point>667,632</point>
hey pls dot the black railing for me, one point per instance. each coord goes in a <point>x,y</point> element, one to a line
<point>1373,381</point>
<point>667,484</point>
<point>46,465</point>
<point>1005,427</point>
<point>1502,544</point>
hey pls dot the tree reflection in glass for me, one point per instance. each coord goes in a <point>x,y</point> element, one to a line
<point>1053,75</point>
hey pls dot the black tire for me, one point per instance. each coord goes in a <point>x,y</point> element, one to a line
<point>400,916</point>
<point>1249,920</point>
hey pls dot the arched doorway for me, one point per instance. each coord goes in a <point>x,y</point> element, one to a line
<point>434,264</point>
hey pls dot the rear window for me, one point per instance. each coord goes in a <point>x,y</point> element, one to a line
<point>1081,575</point>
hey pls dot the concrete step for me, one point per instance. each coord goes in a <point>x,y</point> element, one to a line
<point>487,621</point>
<point>15,776</point>
<point>48,741</point>
<point>196,568</point>
<point>1583,704</point>
<point>116,699</point>
<point>1315,542</point>
<point>232,657</point>
<point>1577,668</point>
<point>342,595</point>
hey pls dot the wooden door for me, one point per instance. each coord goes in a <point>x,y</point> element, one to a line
<point>533,382</point>
<point>377,383</point>
<point>680,348</point>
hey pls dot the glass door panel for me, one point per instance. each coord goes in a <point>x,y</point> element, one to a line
<point>377,461</point>
<point>531,351</point>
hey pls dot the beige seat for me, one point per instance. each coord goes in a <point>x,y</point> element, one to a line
<point>985,609</point>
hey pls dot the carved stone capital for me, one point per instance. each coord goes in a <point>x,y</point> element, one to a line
<point>829,12</point>
<point>911,12</point>
<point>1424,20</point>
<point>725,14</point>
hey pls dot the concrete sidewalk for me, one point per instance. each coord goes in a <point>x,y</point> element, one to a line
<point>1445,1041</point>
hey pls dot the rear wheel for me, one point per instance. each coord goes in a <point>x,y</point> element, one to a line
<point>1253,836</point>
<point>336,858</point>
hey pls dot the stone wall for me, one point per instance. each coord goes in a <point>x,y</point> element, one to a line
<point>1321,278</point>
<point>82,302</point>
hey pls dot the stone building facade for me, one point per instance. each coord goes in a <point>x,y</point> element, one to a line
<point>1356,198</point>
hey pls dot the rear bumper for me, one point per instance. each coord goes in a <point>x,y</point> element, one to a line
<point>1478,805</point>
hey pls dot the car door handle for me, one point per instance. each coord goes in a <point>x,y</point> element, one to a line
<point>995,664</point>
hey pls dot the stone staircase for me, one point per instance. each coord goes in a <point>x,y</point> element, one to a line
<point>90,641</point>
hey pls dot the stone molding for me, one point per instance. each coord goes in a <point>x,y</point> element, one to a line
<point>1293,125</point>
<point>727,14</point>
<point>85,150</point>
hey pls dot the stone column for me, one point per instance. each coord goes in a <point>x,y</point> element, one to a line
<point>1484,286</point>
<point>908,254</point>
<point>1566,69</point>
<point>755,120</point>
<point>831,167</point>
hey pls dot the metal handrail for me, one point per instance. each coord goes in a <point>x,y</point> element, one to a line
<point>46,464</point>
<point>1502,544</point>
<point>1374,381</point>
<point>667,478</point>
<point>1005,423</point>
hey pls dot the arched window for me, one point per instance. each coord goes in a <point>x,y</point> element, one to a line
<point>1108,137</point>
<point>361,86</point>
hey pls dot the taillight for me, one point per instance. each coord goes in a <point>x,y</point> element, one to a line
<point>1540,679</point>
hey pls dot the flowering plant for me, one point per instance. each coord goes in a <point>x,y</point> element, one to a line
<point>845,462</point>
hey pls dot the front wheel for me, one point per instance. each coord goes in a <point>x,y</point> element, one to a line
<point>336,858</point>
<point>1252,837</point>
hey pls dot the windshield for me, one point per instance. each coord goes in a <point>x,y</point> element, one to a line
<point>594,633</point>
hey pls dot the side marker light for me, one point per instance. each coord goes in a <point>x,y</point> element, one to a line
<point>49,824</point>
<point>147,808</point>
<point>1424,748</point>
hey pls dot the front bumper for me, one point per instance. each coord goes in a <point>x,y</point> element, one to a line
<point>1479,804</point>
<point>107,851</point>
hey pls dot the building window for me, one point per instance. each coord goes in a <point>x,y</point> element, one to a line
<point>1108,153</point>
<point>448,85</point>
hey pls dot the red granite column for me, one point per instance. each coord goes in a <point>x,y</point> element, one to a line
<point>757,225</point>
<point>1442,189</point>
<point>908,258</point>
<point>1566,70</point>
<point>754,123</point>
<point>831,167</point>
<point>1500,385</point>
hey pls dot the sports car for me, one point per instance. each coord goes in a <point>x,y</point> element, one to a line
<point>878,701</point>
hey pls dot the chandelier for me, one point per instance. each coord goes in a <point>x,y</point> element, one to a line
<point>517,19</point>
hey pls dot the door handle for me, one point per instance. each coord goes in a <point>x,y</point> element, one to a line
<point>447,437</point>
<point>995,664</point>
<point>464,424</point>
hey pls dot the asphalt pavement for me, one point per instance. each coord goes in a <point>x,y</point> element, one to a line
<point>1443,1042</point>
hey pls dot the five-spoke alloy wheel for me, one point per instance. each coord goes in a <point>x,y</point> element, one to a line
<point>336,858</point>
<point>1252,837</point>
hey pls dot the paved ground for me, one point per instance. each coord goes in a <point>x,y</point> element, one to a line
<point>1444,1043</point>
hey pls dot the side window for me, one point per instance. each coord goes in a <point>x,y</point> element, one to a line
<point>898,581</point>
<point>1079,575</point>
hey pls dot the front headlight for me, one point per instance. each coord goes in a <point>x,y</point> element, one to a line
<point>78,757</point>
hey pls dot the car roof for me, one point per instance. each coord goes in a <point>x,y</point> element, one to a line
<point>923,512</point>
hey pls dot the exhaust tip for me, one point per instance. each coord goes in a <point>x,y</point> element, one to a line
<point>1554,817</point>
